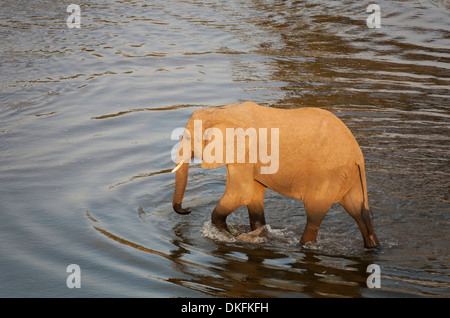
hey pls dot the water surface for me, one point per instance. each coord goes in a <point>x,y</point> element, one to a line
<point>86,117</point>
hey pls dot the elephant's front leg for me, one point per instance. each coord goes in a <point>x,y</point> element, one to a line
<point>238,192</point>
<point>256,215</point>
<point>220,213</point>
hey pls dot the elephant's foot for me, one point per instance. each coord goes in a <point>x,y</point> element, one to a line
<point>371,241</point>
<point>220,222</point>
<point>366,227</point>
<point>253,236</point>
<point>304,243</point>
<point>309,235</point>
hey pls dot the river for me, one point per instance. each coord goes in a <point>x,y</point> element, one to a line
<point>86,117</point>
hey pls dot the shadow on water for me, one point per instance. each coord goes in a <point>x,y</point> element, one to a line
<point>257,270</point>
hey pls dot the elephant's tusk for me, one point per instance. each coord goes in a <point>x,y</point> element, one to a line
<point>178,166</point>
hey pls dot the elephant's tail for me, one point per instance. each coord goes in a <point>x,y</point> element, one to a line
<point>362,179</point>
<point>370,239</point>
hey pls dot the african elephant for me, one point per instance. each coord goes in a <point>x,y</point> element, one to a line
<point>315,158</point>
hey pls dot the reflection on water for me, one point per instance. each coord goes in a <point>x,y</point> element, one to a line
<point>86,117</point>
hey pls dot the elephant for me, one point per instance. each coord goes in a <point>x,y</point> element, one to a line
<point>315,159</point>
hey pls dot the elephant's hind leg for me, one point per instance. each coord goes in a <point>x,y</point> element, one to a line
<point>354,205</point>
<point>315,212</point>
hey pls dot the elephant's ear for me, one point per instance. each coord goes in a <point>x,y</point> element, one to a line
<point>229,135</point>
<point>213,155</point>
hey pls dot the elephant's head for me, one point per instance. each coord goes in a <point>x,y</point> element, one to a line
<point>209,135</point>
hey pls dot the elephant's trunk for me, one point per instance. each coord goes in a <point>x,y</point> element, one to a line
<point>181,177</point>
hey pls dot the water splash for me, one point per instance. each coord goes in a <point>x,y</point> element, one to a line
<point>240,233</point>
<point>210,231</point>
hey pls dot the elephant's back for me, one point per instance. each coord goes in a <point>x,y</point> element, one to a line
<point>316,150</point>
<point>309,133</point>
<point>319,135</point>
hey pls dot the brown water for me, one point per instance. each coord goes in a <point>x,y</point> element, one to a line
<point>86,117</point>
